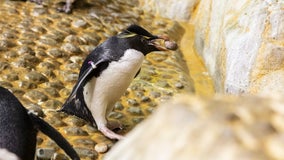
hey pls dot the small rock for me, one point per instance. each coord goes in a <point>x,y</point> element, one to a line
<point>135,110</point>
<point>115,115</point>
<point>35,96</point>
<point>75,121</point>
<point>44,153</point>
<point>137,120</point>
<point>69,47</point>
<point>86,142</point>
<point>101,147</point>
<point>35,109</point>
<point>145,99</point>
<point>155,94</point>
<point>27,85</point>
<point>52,104</point>
<point>171,45</point>
<point>79,23</point>
<point>59,156</point>
<point>132,102</point>
<point>51,92</point>
<point>11,77</point>
<point>75,131</point>
<point>55,53</point>
<point>86,153</point>
<point>179,85</point>
<point>118,106</point>
<point>36,77</point>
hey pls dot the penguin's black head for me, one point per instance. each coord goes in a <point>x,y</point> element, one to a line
<point>140,39</point>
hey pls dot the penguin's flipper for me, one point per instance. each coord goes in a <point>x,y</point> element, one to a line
<point>82,79</point>
<point>54,135</point>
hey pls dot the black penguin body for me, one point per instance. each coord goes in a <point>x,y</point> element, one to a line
<point>18,129</point>
<point>117,61</point>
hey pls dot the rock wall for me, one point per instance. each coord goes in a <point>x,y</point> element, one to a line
<point>177,10</point>
<point>241,43</point>
<point>219,128</point>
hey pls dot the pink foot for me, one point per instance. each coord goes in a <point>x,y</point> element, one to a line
<point>109,133</point>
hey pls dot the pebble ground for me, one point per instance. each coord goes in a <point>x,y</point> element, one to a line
<point>42,51</point>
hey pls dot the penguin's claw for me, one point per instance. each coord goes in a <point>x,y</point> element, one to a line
<point>110,134</point>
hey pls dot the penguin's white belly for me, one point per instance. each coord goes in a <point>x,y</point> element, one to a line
<point>101,93</point>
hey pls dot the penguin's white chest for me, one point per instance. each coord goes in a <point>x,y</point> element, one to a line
<point>104,91</point>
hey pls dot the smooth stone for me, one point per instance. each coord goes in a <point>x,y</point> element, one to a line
<point>27,85</point>
<point>86,142</point>
<point>132,102</point>
<point>55,53</point>
<point>35,109</point>
<point>75,121</point>
<point>118,106</point>
<point>135,110</point>
<point>115,115</point>
<point>75,131</point>
<point>52,104</point>
<point>36,77</point>
<point>59,156</point>
<point>45,153</point>
<point>69,47</point>
<point>79,23</point>
<point>35,96</point>
<point>86,153</point>
<point>101,147</point>
<point>11,77</point>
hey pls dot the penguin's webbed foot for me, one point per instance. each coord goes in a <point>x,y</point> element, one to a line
<point>109,133</point>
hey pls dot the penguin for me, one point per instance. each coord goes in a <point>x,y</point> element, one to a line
<point>107,72</point>
<point>19,127</point>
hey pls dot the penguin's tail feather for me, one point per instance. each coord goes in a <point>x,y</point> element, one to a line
<point>54,135</point>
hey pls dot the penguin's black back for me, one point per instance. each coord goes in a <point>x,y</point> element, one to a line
<point>17,133</point>
<point>18,129</point>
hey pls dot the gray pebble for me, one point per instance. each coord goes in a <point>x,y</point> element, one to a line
<point>55,53</point>
<point>51,92</point>
<point>101,147</point>
<point>56,121</point>
<point>69,47</point>
<point>57,85</point>
<point>115,115</point>
<point>137,120</point>
<point>85,142</point>
<point>46,65</point>
<point>5,84</point>
<point>75,40</point>
<point>27,85</point>
<point>10,54</point>
<point>59,156</point>
<point>132,102</point>
<point>38,29</point>
<point>39,11</point>
<point>35,109</point>
<point>75,131</point>
<point>86,153</point>
<point>79,23</point>
<point>118,106</point>
<point>4,65</point>
<point>179,85</point>
<point>11,77</point>
<point>145,99</point>
<point>36,77</point>
<point>135,110</point>
<point>44,153</point>
<point>35,96</point>
<point>25,50</point>
<point>163,84</point>
<point>52,104</point>
<point>75,121</point>
<point>48,41</point>
<point>155,94</point>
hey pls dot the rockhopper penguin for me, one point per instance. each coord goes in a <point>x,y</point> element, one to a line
<point>107,72</point>
<point>18,129</point>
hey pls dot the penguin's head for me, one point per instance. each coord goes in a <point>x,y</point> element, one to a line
<point>140,39</point>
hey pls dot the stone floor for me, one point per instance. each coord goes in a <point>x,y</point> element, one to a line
<point>42,50</point>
